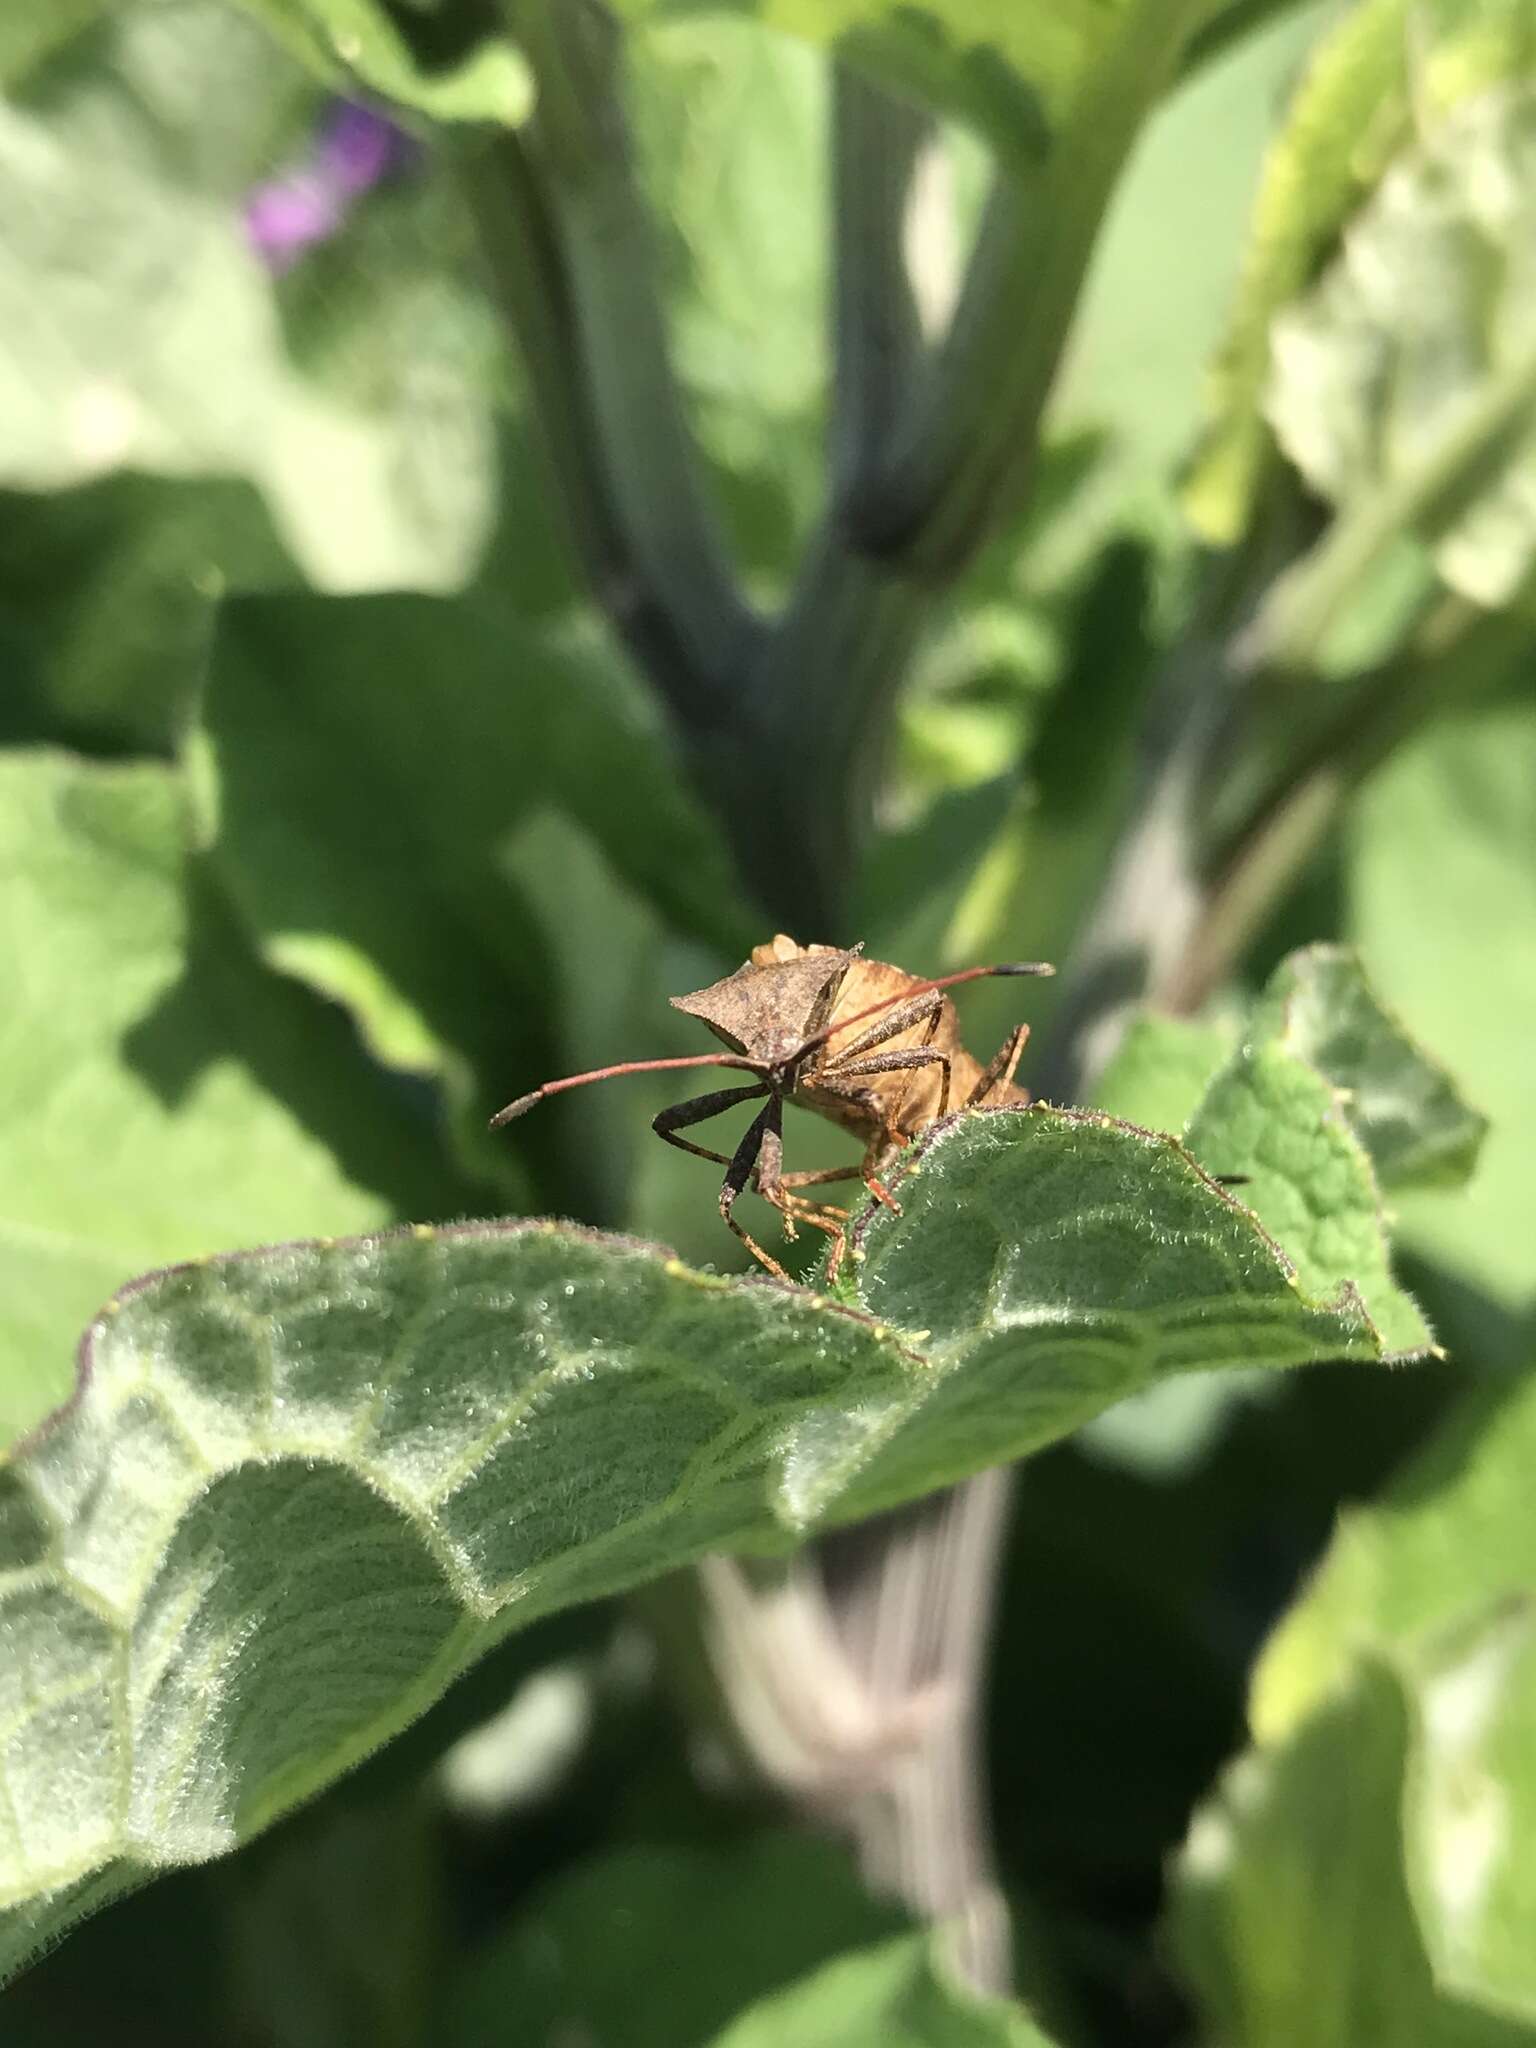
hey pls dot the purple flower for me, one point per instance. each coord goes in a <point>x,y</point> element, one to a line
<point>355,148</point>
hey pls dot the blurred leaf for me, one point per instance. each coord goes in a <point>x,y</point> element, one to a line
<point>733,1924</point>
<point>1162,1069</point>
<point>138,329</point>
<point>893,1995</point>
<point>1407,378</point>
<point>1323,1081</point>
<point>1414,1647</point>
<point>110,594</point>
<point>32,30</point>
<point>1442,901</point>
<point>1015,70</point>
<point>369,42</point>
<point>374,768</point>
<point>160,1096</point>
<point>1164,273</point>
<point>368,1461</point>
<point>1347,115</point>
<point>1292,1918</point>
<point>335,1930</point>
<point>1385,67</point>
<point>730,133</point>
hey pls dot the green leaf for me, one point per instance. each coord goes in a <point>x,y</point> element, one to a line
<point>160,1096</point>
<point>389,876</point>
<point>735,1923</point>
<point>111,593</point>
<point>1322,1079</point>
<point>1162,1069</point>
<point>1441,851</point>
<point>730,136</point>
<point>32,31</point>
<point>1386,66</point>
<point>1348,112</point>
<point>1394,1713</point>
<point>1292,1918</point>
<point>375,453</point>
<point>1403,1106</point>
<point>1015,70</point>
<point>367,1462</point>
<point>894,1995</point>
<point>1168,263</point>
<point>343,40</point>
<point>1404,384</point>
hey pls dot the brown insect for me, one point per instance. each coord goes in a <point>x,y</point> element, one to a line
<point>873,1048</point>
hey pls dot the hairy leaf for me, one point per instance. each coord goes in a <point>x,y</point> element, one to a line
<point>1401,1104</point>
<point>299,1489</point>
<point>1323,1083</point>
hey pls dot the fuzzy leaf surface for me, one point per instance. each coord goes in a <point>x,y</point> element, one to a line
<point>299,1489</point>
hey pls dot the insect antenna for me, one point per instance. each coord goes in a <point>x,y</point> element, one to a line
<point>921,988</point>
<point>535,1096</point>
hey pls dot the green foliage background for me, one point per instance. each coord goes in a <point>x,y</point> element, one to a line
<point>333,811</point>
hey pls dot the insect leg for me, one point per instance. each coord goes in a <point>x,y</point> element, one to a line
<point>773,1187</point>
<point>999,1070</point>
<point>682,1114</point>
<point>929,1007</point>
<point>765,1129</point>
<point>891,1063</point>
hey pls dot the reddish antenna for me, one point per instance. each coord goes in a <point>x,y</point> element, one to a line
<point>535,1096</point>
<point>921,988</point>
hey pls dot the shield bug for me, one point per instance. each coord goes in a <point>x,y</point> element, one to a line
<point>869,1046</point>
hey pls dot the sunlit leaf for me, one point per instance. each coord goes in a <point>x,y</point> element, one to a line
<point>366,1462</point>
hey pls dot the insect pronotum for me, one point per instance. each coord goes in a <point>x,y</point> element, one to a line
<point>873,1048</point>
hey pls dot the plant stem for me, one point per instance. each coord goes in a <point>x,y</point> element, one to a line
<point>640,462</point>
<point>877,334</point>
<point>966,451</point>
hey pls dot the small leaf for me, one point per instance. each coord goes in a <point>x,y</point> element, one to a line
<point>894,1995</point>
<point>298,1490</point>
<point>1278,1115</point>
<point>1403,1107</point>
